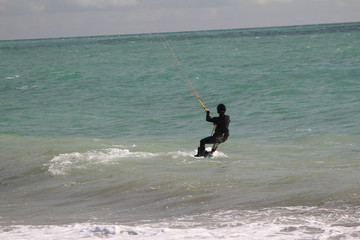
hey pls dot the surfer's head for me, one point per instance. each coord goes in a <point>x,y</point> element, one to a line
<point>221,108</point>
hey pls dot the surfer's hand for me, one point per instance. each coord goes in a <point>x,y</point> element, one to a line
<point>207,112</point>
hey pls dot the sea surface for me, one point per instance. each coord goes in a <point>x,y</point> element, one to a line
<point>97,135</point>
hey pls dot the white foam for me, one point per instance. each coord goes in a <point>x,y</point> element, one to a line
<point>303,130</point>
<point>272,228</point>
<point>286,223</point>
<point>193,152</point>
<point>25,87</point>
<point>12,77</point>
<point>63,163</point>
<point>66,162</point>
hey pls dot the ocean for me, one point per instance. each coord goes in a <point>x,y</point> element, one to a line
<point>97,135</point>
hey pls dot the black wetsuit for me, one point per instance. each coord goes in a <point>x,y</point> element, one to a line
<point>221,132</point>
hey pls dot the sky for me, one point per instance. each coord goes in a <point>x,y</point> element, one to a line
<point>32,19</point>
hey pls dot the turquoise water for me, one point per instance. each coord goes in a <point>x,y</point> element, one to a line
<point>275,82</point>
<point>101,130</point>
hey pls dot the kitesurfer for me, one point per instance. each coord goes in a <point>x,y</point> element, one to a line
<point>221,131</point>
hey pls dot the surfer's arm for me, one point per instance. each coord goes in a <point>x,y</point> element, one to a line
<point>208,117</point>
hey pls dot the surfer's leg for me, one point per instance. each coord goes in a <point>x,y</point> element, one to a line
<point>214,147</point>
<point>207,140</point>
<point>201,149</point>
<point>200,152</point>
<point>217,143</point>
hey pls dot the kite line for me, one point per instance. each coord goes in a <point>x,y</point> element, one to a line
<point>164,40</point>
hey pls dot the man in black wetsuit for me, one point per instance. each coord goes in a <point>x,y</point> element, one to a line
<point>221,131</point>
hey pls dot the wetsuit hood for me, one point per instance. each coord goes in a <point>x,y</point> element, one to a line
<point>221,108</point>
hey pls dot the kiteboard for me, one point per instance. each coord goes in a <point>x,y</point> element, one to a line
<point>208,155</point>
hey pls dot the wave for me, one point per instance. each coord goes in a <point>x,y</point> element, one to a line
<point>65,163</point>
<point>76,180</point>
<point>286,223</point>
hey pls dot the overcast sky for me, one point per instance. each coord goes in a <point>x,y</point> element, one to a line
<point>23,19</point>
